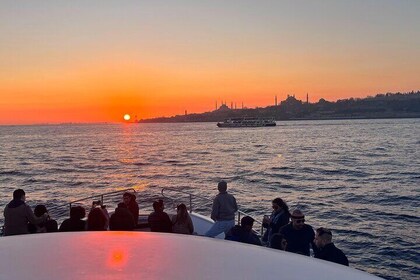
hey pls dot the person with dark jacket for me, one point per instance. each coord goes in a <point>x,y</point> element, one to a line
<point>75,223</point>
<point>243,233</point>
<point>121,219</point>
<point>299,236</point>
<point>18,214</point>
<point>158,220</point>
<point>326,248</point>
<point>279,218</point>
<point>129,200</point>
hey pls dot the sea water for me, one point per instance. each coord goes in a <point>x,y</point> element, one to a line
<point>360,178</point>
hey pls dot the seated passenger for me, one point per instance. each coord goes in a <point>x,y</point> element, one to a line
<point>17,214</point>
<point>326,248</point>
<point>122,219</point>
<point>49,225</point>
<point>299,235</point>
<point>181,222</point>
<point>129,200</point>
<point>96,220</point>
<point>243,233</point>
<point>158,220</point>
<point>75,223</point>
<point>278,241</point>
<point>279,218</point>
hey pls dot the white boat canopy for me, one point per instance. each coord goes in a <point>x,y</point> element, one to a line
<point>147,255</point>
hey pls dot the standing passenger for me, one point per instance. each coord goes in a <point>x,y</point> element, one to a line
<point>223,213</point>
<point>17,214</point>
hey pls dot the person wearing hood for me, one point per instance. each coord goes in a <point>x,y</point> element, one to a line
<point>18,214</point>
<point>122,219</point>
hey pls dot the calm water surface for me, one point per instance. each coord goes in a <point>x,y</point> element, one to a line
<point>359,177</point>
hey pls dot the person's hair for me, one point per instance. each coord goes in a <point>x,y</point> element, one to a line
<point>183,216</point>
<point>130,195</point>
<point>247,221</point>
<point>157,206</point>
<point>17,194</point>
<point>40,210</point>
<point>96,220</point>
<point>277,240</point>
<point>77,212</point>
<point>121,205</point>
<point>222,186</point>
<point>280,202</point>
<point>324,234</point>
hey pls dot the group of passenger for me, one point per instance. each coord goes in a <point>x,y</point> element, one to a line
<point>284,230</point>
<point>19,218</point>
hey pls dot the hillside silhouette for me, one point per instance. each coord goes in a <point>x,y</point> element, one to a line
<point>388,105</point>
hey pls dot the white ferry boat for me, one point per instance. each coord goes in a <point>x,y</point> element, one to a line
<point>247,122</point>
<point>151,255</point>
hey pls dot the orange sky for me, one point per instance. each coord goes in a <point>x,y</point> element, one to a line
<point>56,69</point>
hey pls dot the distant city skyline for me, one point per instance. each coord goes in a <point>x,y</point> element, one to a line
<point>95,61</point>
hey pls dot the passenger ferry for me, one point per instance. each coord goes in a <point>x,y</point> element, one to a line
<point>143,254</point>
<point>247,122</point>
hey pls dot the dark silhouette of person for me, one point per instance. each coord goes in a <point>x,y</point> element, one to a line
<point>299,235</point>
<point>326,248</point>
<point>158,220</point>
<point>244,233</point>
<point>279,218</point>
<point>129,200</point>
<point>75,222</point>
<point>121,219</point>
<point>181,222</point>
<point>49,225</point>
<point>17,214</point>
<point>278,241</point>
<point>96,220</point>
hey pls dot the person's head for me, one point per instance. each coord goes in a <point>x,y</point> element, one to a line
<point>279,204</point>
<point>181,209</point>
<point>77,212</point>
<point>323,236</point>
<point>278,241</point>
<point>222,186</point>
<point>40,210</point>
<point>247,222</point>
<point>121,205</point>
<point>19,194</point>
<point>127,197</point>
<point>96,219</point>
<point>162,205</point>
<point>298,219</point>
<point>157,206</point>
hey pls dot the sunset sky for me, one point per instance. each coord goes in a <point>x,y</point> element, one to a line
<point>94,61</point>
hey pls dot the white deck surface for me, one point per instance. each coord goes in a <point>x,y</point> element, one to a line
<point>147,255</point>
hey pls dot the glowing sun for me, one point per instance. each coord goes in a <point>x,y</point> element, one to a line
<point>127,117</point>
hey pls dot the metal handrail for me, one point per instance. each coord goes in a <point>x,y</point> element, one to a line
<point>191,195</point>
<point>101,196</point>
